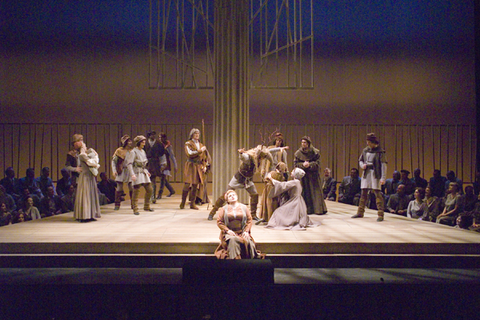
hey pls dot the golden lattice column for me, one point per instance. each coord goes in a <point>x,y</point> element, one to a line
<point>231,107</point>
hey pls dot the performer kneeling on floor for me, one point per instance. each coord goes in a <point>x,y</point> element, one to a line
<point>235,223</point>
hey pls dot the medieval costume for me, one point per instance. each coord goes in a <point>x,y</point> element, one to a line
<point>155,152</point>
<point>136,163</point>
<point>235,223</point>
<point>87,204</point>
<point>307,158</point>
<point>170,162</point>
<point>374,164</point>
<point>120,171</point>
<point>269,204</point>
<point>195,168</point>
<point>292,215</point>
<point>250,161</point>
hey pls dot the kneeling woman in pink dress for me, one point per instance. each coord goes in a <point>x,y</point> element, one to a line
<point>235,223</point>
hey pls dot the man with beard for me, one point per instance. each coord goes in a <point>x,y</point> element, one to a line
<point>307,158</point>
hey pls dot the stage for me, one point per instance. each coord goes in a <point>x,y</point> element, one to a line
<point>125,266</point>
<point>169,236</point>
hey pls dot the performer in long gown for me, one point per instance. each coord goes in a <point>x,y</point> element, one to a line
<point>269,205</point>
<point>235,223</point>
<point>87,204</point>
<point>292,215</point>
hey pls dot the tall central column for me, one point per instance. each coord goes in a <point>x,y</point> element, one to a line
<point>231,108</point>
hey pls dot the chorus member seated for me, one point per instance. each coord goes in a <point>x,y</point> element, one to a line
<point>307,158</point>
<point>417,207</point>
<point>270,204</point>
<point>349,190</point>
<point>407,182</point>
<point>51,204</point>
<point>433,205</point>
<point>469,199</point>
<point>68,200</point>
<point>476,183</point>
<point>18,217</point>
<point>5,215</point>
<point>476,218</point>
<point>235,223</point>
<point>398,202</point>
<point>29,182</point>
<point>8,200</point>
<point>137,165</point>
<point>452,178</point>
<point>329,186</point>
<point>453,206</point>
<point>25,194</point>
<point>45,181</point>
<point>292,215</point>
<point>107,187</point>
<point>390,186</point>
<point>30,211</point>
<point>437,183</point>
<point>10,183</point>
<point>64,182</point>
<point>419,181</point>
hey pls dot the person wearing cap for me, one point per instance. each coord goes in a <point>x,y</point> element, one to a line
<point>155,152</point>
<point>170,163</point>
<point>120,171</point>
<point>235,224</point>
<point>195,168</point>
<point>137,166</point>
<point>307,158</point>
<point>87,202</point>
<point>374,164</point>
<point>291,215</point>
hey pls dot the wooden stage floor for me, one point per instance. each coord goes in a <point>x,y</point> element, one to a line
<point>171,231</point>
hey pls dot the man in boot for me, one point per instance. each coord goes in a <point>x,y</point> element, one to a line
<point>120,171</point>
<point>250,161</point>
<point>195,168</point>
<point>374,164</point>
<point>155,152</point>
<point>137,165</point>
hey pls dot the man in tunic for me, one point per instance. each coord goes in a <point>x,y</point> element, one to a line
<point>195,168</point>
<point>137,166</point>
<point>374,164</point>
<point>120,171</point>
<point>155,151</point>
<point>307,158</point>
<point>250,160</point>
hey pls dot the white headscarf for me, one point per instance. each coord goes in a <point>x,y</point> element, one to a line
<point>298,173</point>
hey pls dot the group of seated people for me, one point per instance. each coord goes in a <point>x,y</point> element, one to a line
<point>31,197</point>
<point>441,199</point>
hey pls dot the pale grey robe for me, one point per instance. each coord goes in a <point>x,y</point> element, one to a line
<point>292,215</point>
<point>87,204</point>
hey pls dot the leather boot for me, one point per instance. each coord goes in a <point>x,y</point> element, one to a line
<point>184,198</point>
<point>130,193</point>
<point>218,204</point>
<point>136,192</point>
<point>148,196</point>
<point>193,196</point>
<point>154,189</point>
<point>118,199</point>
<point>253,206</point>
<point>380,206</point>
<point>361,204</point>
